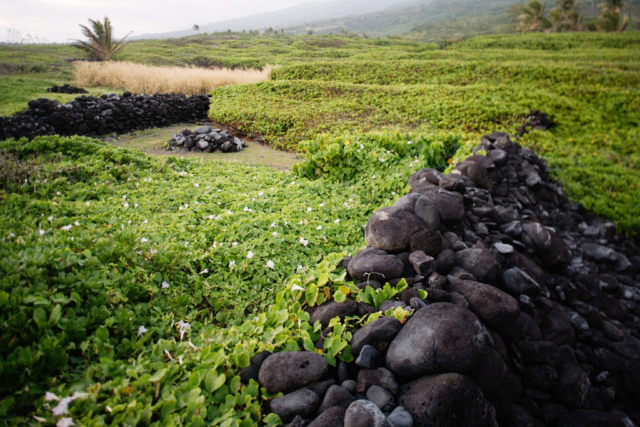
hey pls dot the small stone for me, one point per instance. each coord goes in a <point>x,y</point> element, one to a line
<point>349,385</point>
<point>382,398</point>
<point>370,358</point>
<point>422,263</point>
<point>332,417</point>
<point>336,396</point>
<point>400,417</point>
<point>363,413</point>
<point>202,130</point>
<point>502,248</point>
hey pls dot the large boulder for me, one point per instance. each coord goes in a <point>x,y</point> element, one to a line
<point>383,329</point>
<point>450,204</point>
<point>290,370</point>
<point>441,337</point>
<point>480,262</point>
<point>303,402</point>
<point>447,400</point>
<point>391,229</point>
<point>493,306</point>
<point>331,309</point>
<point>421,207</point>
<point>370,265</point>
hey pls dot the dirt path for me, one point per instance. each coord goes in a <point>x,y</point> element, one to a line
<point>152,141</point>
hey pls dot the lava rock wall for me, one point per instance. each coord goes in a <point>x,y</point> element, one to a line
<point>91,116</point>
<point>531,316</point>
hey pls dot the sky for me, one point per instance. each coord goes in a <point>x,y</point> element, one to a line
<point>57,20</point>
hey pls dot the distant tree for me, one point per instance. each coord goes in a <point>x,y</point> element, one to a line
<point>101,44</point>
<point>310,32</point>
<point>611,19</point>
<point>281,30</point>
<point>196,28</point>
<point>566,16</point>
<point>532,17</point>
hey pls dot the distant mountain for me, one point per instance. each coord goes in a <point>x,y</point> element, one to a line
<point>422,20</point>
<point>293,16</point>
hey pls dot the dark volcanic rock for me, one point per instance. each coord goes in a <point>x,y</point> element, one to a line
<point>363,413</point>
<point>251,372</point>
<point>302,402</point>
<point>493,306</point>
<point>391,229</point>
<point>589,418</point>
<point>331,309</point>
<point>447,400</point>
<point>481,263</point>
<point>288,371</point>
<point>516,282</point>
<point>376,267</point>
<point>336,396</point>
<point>441,337</point>
<point>332,417</point>
<point>383,329</point>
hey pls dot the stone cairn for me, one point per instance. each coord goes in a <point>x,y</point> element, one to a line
<point>66,88</point>
<point>531,317</point>
<point>206,140</point>
<point>91,116</point>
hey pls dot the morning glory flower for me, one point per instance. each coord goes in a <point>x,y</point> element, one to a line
<point>142,330</point>
<point>41,232</point>
<point>12,235</point>
<point>409,142</point>
<point>303,241</point>
<point>246,209</point>
<point>308,209</point>
<point>126,205</point>
<point>67,227</point>
<point>205,271</point>
<point>232,263</point>
<point>48,397</point>
<point>50,218</point>
<point>58,193</point>
<point>381,160</point>
<point>145,222</point>
<point>299,268</point>
<point>250,255</point>
<point>144,240</point>
<point>319,227</point>
<point>165,285</point>
<point>297,288</point>
<point>184,326</point>
<point>234,244</point>
<point>273,224</point>
<point>197,185</point>
<point>87,203</point>
<point>260,193</point>
<point>321,205</point>
<point>337,221</point>
<point>270,264</point>
<point>275,233</point>
<point>135,205</point>
<point>65,422</point>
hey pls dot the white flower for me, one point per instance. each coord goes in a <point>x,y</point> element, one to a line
<point>381,160</point>
<point>297,288</point>
<point>41,232</point>
<point>12,235</point>
<point>186,205</point>
<point>129,222</point>
<point>40,419</point>
<point>135,205</point>
<point>142,330</point>
<point>358,150</point>
<point>58,193</point>
<point>362,146</point>
<point>293,183</point>
<point>50,218</point>
<point>87,203</point>
<point>319,227</point>
<point>234,244</point>
<point>374,177</point>
<point>260,193</point>
<point>393,193</point>
<point>246,209</point>
<point>126,205</point>
<point>67,227</point>
<point>165,285</point>
<point>275,233</point>
<point>145,222</point>
<point>63,407</point>
<point>308,209</point>
<point>232,263</point>
<point>184,326</point>
<point>197,185</point>
<point>124,197</point>
<point>303,241</point>
<point>230,213</point>
<point>197,202</point>
<point>65,422</point>
<point>321,205</point>
<point>48,397</point>
<point>151,251</point>
<point>180,208</point>
<point>205,271</point>
<point>299,268</point>
<point>350,200</point>
<point>250,255</point>
<point>144,240</point>
<point>273,225</point>
<point>409,142</point>
<point>337,221</point>
<point>270,264</point>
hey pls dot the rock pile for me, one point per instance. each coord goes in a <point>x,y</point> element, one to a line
<point>531,318</point>
<point>206,140</point>
<point>537,120</point>
<point>91,116</point>
<point>66,88</point>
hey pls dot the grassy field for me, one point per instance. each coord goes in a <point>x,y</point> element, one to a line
<point>147,281</point>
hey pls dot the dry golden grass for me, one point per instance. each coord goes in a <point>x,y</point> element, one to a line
<point>138,78</point>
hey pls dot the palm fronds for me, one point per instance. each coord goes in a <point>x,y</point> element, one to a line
<point>100,44</point>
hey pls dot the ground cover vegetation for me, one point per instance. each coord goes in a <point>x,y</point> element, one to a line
<point>150,321</point>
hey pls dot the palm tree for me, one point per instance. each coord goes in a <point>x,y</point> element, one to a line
<point>532,17</point>
<point>566,17</point>
<point>614,6</point>
<point>100,44</point>
<point>196,28</point>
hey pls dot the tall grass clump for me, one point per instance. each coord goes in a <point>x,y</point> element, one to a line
<point>140,78</point>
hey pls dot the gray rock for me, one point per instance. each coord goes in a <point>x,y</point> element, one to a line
<point>391,305</point>
<point>493,306</point>
<point>416,303</point>
<point>336,396</point>
<point>422,263</point>
<point>202,130</point>
<point>349,385</point>
<point>331,309</point>
<point>481,263</point>
<point>382,398</point>
<point>202,144</point>
<point>370,358</point>
<point>421,207</point>
<point>400,417</point>
<point>516,282</point>
<point>288,371</point>
<point>439,338</point>
<point>598,252</point>
<point>449,204</point>
<point>302,402</point>
<point>429,175</point>
<point>502,248</point>
<point>383,329</point>
<point>251,372</point>
<point>589,418</point>
<point>392,228</point>
<point>381,376</point>
<point>453,182</point>
<point>498,157</point>
<point>332,417</point>
<point>573,388</point>
<point>363,413</point>
<point>375,267</point>
<point>227,146</point>
<point>447,400</point>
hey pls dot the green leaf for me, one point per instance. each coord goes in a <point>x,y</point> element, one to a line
<point>242,360</point>
<point>272,420</point>
<point>323,279</point>
<point>422,294</point>
<point>339,296</point>
<point>40,317</point>
<point>213,381</point>
<point>308,344</point>
<point>311,294</point>
<point>55,315</point>
<point>158,375</point>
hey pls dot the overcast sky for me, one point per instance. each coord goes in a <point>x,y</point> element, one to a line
<point>57,20</point>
